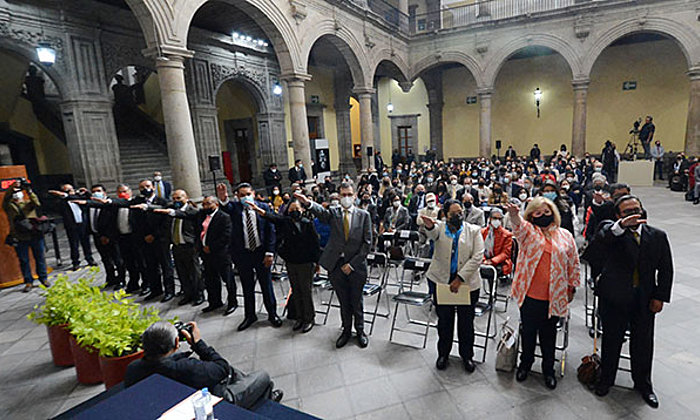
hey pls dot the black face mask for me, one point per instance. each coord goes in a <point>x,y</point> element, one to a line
<point>421,193</point>
<point>295,215</point>
<point>146,192</point>
<point>454,221</point>
<point>208,211</point>
<point>467,205</point>
<point>543,221</point>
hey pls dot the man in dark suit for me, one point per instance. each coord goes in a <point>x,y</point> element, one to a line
<point>535,153</point>
<point>183,236</point>
<point>154,231</point>
<point>297,173</point>
<point>637,274</point>
<point>253,249</point>
<point>378,161</point>
<point>345,258</point>
<point>75,223</point>
<point>416,203</point>
<point>162,188</point>
<point>272,178</point>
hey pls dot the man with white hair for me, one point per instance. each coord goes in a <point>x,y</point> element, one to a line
<point>473,214</point>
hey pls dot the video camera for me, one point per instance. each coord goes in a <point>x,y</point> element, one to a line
<point>636,125</point>
<point>181,326</point>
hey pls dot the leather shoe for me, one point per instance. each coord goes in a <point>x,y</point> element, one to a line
<point>247,322</point>
<point>198,301</point>
<point>307,327</point>
<point>342,340</point>
<point>362,340</point>
<point>650,398</point>
<point>275,321</point>
<point>277,395</point>
<point>145,291</point>
<point>152,296</point>
<point>469,366</point>
<point>550,381</point>
<point>180,293</point>
<point>184,301</point>
<point>167,298</point>
<point>119,285</point>
<point>441,363</point>
<point>521,374</point>
<point>601,390</point>
<point>212,308</point>
<point>297,325</point>
<point>231,308</point>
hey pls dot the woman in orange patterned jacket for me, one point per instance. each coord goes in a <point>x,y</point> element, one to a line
<point>545,280</point>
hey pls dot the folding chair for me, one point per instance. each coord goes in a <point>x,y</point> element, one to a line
<point>412,298</point>
<point>376,283</point>
<point>505,297</point>
<point>409,240</point>
<point>321,283</point>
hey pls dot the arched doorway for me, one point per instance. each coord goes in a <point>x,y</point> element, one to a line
<point>238,124</point>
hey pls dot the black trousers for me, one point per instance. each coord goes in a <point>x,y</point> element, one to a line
<point>79,236</point>
<point>349,292</point>
<point>659,169</point>
<point>446,325</point>
<point>111,259</point>
<point>188,270</point>
<point>157,255</point>
<point>250,264</point>
<point>301,277</point>
<point>217,269</point>
<point>535,319</point>
<point>617,318</point>
<point>132,254</point>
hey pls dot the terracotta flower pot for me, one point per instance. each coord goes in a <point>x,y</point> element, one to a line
<point>87,363</point>
<point>114,368</point>
<point>59,341</point>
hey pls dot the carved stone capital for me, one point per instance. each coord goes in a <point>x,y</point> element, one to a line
<point>298,10</point>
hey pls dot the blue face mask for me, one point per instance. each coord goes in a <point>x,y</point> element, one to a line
<point>98,195</point>
<point>550,195</point>
<point>178,204</point>
<point>247,199</point>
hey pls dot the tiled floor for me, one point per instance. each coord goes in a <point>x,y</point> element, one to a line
<point>387,381</point>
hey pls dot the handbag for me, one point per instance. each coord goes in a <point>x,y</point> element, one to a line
<point>507,348</point>
<point>589,370</point>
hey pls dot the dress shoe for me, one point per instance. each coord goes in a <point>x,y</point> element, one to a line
<point>27,288</point>
<point>180,293</point>
<point>45,283</point>
<point>119,285</point>
<point>198,301</point>
<point>247,322</point>
<point>230,308</point>
<point>306,327</point>
<point>650,398</point>
<point>602,390</point>
<point>184,301</point>
<point>131,289</point>
<point>275,321</point>
<point>342,340</point>
<point>145,291</point>
<point>441,363</point>
<point>75,267</point>
<point>550,381</point>
<point>469,366</point>
<point>521,374</point>
<point>211,307</point>
<point>92,263</point>
<point>152,296</point>
<point>167,297</point>
<point>362,340</point>
<point>297,325</point>
<point>277,395</point>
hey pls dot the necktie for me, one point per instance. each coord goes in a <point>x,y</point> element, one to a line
<point>250,229</point>
<point>635,275</point>
<point>205,227</point>
<point>158,191</point>
<point>176,231</point>
<point>346,225</point>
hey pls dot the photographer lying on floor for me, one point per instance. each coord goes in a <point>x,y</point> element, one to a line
<point>160,343</point>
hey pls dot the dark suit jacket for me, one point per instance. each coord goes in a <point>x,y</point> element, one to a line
<point>266,230</point>
<point>167,188</point>
<point>190,230</point>
<point>295,176</point>
<point>296,246</point>
<point>149,223</point>
<point>67,213</point>
<point>218,234</point>
<point>106,219</point>
<point>617,257</point>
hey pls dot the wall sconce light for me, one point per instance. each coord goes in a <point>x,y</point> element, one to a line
<point>390,107</point>
<point>277,89</point>
<point>538,98</point>
<point>45,53</point>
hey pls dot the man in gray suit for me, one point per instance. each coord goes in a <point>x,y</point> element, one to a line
<point>474,215</point>
<point>344,257</point>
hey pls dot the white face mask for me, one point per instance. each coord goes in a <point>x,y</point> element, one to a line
<point>18,195</point>
<point>431,205</point>
<point>496,223</point>
<point>522,197</point>
<point>335,203</point>
<point>453,182</point>
<point>275,192</point>
<point>157,178</point>
<point>506,180</point>
<point>396,204</point>
<point>346,202</point>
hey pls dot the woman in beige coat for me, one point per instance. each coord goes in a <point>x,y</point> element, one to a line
<point>459,249</point>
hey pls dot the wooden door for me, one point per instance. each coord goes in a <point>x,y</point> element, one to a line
<point>243,142</point>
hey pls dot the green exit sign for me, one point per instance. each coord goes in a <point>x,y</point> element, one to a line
<point>629,85</point>
<point>471,100</point>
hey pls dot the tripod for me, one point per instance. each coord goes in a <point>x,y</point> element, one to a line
<point>632,145</point>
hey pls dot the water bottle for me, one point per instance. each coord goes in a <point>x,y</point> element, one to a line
<point>203,408</point>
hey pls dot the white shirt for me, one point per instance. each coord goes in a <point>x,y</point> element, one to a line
<point>123,221</point>
<point>172,213</point>
<point>248,213</point>
<point>77,212</point>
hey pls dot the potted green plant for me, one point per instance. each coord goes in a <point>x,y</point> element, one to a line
<point>120,339</point>
<point>62,300</point>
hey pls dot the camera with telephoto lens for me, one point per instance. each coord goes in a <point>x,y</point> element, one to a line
<point>180,326</point>
<point>636,125</point>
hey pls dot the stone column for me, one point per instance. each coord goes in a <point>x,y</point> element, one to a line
<point>178,125</point>
<point>299,122</point>
<point>692,135</point>
<point>578,137</point>
<point>205,121</point>
<point>364,96</point>
<point>433,84</point>
<point>342,87</point>
<point>485,121</point>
